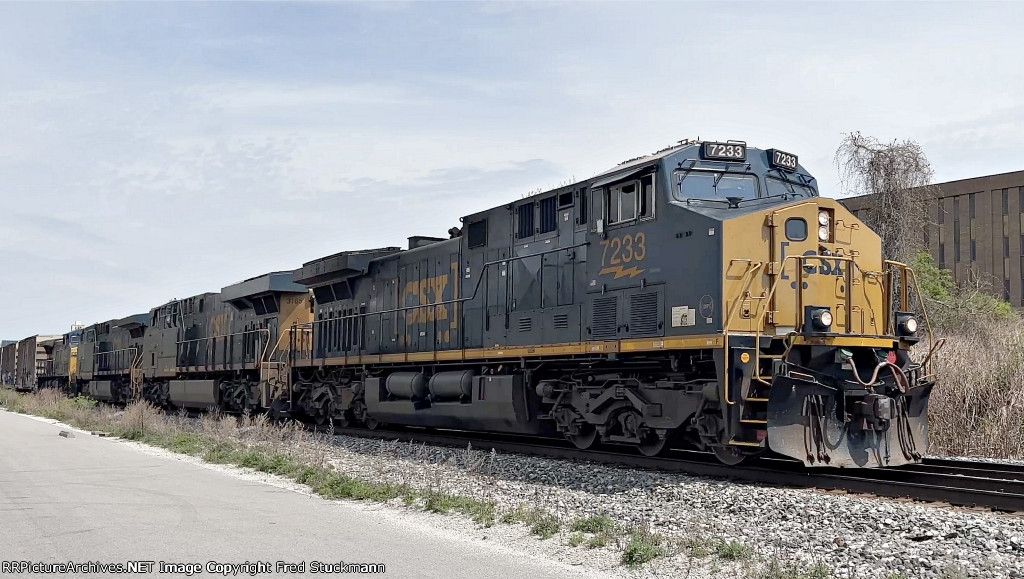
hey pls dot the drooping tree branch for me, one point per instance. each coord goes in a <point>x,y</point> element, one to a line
<point>898,177</point>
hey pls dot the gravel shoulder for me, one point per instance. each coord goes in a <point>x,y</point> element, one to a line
<point>702,527</point>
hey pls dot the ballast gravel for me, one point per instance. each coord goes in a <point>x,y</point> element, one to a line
<point>801,531</point>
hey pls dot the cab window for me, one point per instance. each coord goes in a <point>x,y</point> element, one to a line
<point>779,187</point>
<point>622,202</point>
<point>631,200</point>
<point>715,185</point>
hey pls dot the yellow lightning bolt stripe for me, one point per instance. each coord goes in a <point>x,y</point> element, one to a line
<point>621,272</point>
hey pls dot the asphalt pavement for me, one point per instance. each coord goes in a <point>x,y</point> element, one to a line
<point>89,499</point>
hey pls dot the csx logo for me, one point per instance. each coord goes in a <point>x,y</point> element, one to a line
<point>819,266</point>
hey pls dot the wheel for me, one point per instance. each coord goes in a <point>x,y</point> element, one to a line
<point>585,438</point>
<point>371,423</point>
<point>728,455</point>
<point>651,444</point>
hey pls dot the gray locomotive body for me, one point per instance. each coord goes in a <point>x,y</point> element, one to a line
<point>222,350</point>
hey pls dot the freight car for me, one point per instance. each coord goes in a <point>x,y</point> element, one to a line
<point>33,354</point>
<point>703,296</point>
<point>8,363</point>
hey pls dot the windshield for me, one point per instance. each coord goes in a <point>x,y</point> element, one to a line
<point>787,188</point>
<point>715,185</point>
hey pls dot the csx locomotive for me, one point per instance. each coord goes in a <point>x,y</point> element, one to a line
<point>704,296</point>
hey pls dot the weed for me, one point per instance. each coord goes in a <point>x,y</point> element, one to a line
<point>545,525</point>
<point>732,551</point>
<point>595,524</point>
<point>643,547</point>
<point>576,539</point>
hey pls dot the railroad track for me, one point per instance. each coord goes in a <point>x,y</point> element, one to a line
<point>999,487</point>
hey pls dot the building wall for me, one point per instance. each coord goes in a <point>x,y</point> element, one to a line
<point>975,227</point>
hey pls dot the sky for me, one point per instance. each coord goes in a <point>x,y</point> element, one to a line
<point>151,151</point>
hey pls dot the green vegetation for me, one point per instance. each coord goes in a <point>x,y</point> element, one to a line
<point>643,547</point>
<point>953,306</point>
<point>732,551</point>
<point>596,524</point>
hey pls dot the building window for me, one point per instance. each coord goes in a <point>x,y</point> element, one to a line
<point>956,238</point>
<point>970,202</point>
<point>1006,290</point>
<point>942,255</point>
<point>956,209</point>
<point>940,213</point>
<point>1020,204</point>
<point>1006,247</point>
<point>1006,201</point>
<point>974,251</point>
<point>548,214</point>
<point>525,221</point>
<point>926,238</point>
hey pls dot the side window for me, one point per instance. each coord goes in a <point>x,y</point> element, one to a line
<point>548,214</point>
<point>597,207</point>
<point>647,197</point>
<point>477,234</point>
<point>525,221</point>
<point>584,205</point>
<point>622,202</point>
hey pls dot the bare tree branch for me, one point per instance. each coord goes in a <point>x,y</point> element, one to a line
<point>898,177</point>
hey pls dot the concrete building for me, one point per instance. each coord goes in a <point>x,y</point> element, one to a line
<point>975,227</point>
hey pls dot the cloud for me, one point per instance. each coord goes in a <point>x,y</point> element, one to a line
<point>151,150</point>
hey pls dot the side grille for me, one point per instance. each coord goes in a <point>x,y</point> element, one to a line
<point>525,324</point>
<point>604,318</point>
<point>560,321</point>
<point>643,314</point>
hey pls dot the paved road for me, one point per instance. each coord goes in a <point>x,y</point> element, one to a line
<point>93,499</point>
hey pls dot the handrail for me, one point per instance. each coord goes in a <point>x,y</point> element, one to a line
<point>136,358</point>
<point>259,359</point>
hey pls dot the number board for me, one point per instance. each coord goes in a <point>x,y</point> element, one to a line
<point>724,151</point>
<point>782,160</point>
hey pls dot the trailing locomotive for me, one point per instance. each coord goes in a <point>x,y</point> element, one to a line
<point>704,296</point>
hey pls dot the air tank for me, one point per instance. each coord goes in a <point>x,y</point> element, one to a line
<point>448,386</point>
<point>407,385</point>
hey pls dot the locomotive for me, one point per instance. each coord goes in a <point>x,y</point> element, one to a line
<point>704,297</point>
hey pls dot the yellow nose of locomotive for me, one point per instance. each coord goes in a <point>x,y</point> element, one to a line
<point>832,381</point>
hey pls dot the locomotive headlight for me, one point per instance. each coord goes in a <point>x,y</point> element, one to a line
<point>823,233</point>
<point>906,324</point>
<point>824,218</point>
<point>817,319</point>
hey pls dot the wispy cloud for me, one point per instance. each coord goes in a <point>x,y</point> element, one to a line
<point>151,150</point>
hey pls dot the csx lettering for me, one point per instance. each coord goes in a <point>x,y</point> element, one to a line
<point>425,292</point>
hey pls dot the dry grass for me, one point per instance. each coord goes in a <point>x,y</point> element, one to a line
<point>977,407</point>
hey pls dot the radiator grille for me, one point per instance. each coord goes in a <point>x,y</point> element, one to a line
<point>560,321</point>
<point>643,314</point>
<point>525,324</point>
<point>604,318</point>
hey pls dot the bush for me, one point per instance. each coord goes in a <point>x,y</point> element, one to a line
<point>642,547</point>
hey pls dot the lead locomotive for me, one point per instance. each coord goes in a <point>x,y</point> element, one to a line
<point>704,296</point>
